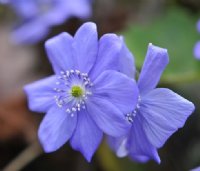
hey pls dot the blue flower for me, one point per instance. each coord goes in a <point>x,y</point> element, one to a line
<point>37,16</point>
<point>158,114</point>
<point>87,95</point>
<point>197,45</point>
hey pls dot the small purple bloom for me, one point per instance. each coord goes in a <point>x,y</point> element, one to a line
<point>158,114</point>
<point>87,95</point>
<point>196,169</point>
<point>37,16</point>
<point>198,26</point>
<point>197,50</point>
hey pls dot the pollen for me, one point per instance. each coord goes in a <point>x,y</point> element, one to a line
<point>76,91</point>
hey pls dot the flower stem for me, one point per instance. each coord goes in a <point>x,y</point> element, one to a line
<point>29,154</point>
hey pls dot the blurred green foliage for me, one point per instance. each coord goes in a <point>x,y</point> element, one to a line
<point>110,162</point>
<point>174,30</point>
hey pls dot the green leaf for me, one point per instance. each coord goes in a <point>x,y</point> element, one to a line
<point>175,31</point>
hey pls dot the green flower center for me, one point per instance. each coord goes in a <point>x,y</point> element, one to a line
<point>76,91</point>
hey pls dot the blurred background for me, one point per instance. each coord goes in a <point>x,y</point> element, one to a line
<point>167,23</point>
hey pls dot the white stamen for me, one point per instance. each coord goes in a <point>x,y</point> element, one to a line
<point>77,72</point>
<point>67,73</point>
<point>62,72</point>
<point>68,111</point>
<point>74,109</point>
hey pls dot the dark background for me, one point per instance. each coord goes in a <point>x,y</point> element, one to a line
<point>168,23</point>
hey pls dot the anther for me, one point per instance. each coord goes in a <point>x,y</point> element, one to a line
<point>77,72</point>
<point>68,111</point>
<point>74,109</point>
<point>67,73</point>
<point>62,72</point>
<point>84,74</point>
<point>86,83</point>
<point>138,106</point>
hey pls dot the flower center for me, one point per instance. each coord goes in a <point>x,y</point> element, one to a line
<point>76,91</point>
<point>72,90</point>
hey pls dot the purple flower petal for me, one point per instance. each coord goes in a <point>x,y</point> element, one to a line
<point>118,89</point>
<point>56,129</point>
<point>87,136</point>
<point>78,8</point>
<point>41,94</point>
<point>127,64</point>
<point>198,26</point>
<point>118,145</point>
<point>138,143</point>
<point>38,16</point>
<point>110,46</point>
<point>164,112</point>
<point>25,9</point>
<point>155,63</point>
<point>30,32</point>
<point>197,50</point>
<point>59,50</point>
<point>196,169</point>
<point>56,16</point>
<point>139,158</point>
<point>85,46</point>
<point>109,119</point>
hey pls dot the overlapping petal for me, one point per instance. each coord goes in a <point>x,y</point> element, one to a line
<point>119,145</point>
<point>126,61</point>
<point>85,46</point>
<point>59,50</point>
<point>163,113</point>
<point>87,135</point>
<point>139,158</point>
<point>109,119</point>
<point>154,65</point>
<point>41,94</point>
<point>56,129</point>
<point>118,89</point>
<point>110,46</point>
<point>138,143</point>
